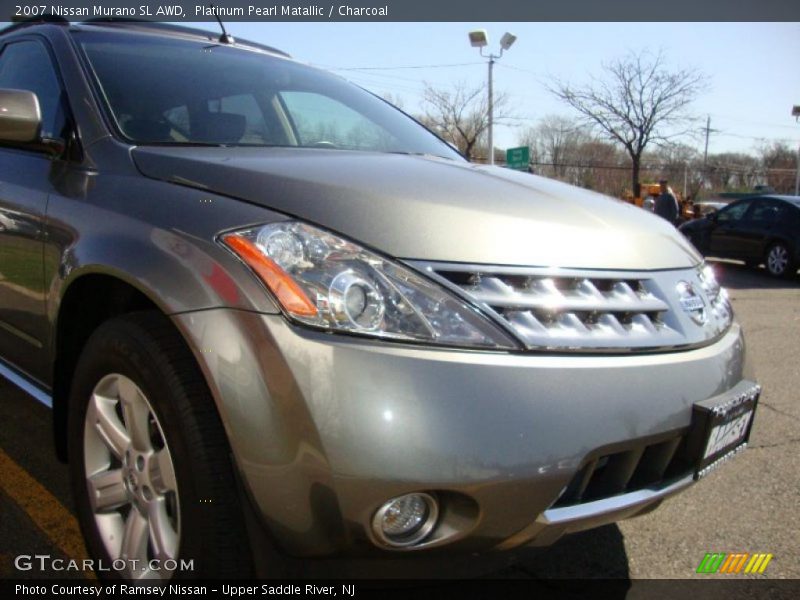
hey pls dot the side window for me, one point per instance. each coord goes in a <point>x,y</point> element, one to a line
<point>244,105</point>
<point>765,212</point>
<point>26,65</point>
<point>733,213</point>
<point>178,119</point>
<point>320,120</point>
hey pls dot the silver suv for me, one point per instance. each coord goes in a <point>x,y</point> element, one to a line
<point>270,310</point>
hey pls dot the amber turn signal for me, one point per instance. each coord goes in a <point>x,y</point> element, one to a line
<point>291,296</point>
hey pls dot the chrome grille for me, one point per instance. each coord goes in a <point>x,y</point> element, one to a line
<point>589,310</point>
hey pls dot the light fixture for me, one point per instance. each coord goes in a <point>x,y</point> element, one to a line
<point>507,40</point>
<point>406,520</point>
<point>478,38</point>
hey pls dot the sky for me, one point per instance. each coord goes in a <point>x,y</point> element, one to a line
<point>752,67</point>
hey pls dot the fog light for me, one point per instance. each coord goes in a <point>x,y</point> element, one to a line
<point>405,520</point>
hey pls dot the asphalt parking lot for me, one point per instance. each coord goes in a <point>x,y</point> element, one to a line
<point>749,505</point>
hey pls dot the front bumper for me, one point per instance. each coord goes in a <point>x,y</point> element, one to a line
<point>326,428</point>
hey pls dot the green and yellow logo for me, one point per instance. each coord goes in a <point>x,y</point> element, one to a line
<point>735,562</point>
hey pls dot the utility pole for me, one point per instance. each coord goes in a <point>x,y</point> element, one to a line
<point>708,131</point>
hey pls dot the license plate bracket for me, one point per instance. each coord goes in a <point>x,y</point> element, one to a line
<point>720,425</point>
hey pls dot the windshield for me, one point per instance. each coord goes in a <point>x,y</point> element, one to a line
<point>183,92</point>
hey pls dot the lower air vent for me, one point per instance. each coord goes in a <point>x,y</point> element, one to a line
<point>626,471</point>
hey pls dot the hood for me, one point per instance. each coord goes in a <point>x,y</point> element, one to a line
<point>426,208</point>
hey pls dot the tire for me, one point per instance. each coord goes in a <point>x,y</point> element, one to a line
<point>143,425</point>
<point>779,261</point>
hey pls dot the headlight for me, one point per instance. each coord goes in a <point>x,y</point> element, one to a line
<point>324,281</point>
<point>708,279</point>
<point>717,296</point>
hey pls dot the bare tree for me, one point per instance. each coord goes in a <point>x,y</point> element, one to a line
<point>460,115</point>
<point>637,101</point>
<point>680,164</point>
<point>733,171</point>
<point>393,99</point>
<point>554,140</point>
<point>565,149</point>
<point>602,167</point>
<point>779,163</point>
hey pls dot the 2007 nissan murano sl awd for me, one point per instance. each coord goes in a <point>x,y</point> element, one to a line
<point>267,307</point>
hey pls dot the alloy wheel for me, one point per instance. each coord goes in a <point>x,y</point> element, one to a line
<point>777,259</point>
<point>130,478</point>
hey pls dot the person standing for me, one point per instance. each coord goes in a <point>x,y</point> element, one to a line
<point>666,205</point>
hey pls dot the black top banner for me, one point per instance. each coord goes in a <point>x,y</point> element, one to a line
<point>407,10</point>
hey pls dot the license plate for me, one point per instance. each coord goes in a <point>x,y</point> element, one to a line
<point>721,425</point>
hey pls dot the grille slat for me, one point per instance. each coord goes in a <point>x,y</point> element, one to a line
<point>543,294</point>
<point>614,476</point>
<point>654,463</point>
<point>574,491</point>
<point>610,322</point>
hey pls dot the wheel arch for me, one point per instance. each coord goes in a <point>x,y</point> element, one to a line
<point>89,299</point>
<point>776,238</point>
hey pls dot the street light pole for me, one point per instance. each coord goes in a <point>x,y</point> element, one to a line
<point>491,111</point>
<point>479,39</point>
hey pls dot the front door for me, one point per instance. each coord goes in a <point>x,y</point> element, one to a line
<point>24,189</point>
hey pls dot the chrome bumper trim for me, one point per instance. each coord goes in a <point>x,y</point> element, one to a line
<point>613,505</point>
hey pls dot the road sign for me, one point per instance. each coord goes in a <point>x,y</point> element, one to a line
<point>518,158</point>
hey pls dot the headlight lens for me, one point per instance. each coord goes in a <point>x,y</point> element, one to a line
<point>717,295</point>
<point>324,281</point>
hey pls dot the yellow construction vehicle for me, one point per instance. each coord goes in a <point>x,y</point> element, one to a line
<point>648,194</point>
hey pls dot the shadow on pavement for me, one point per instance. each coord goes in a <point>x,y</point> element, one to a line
<point>594,554</point>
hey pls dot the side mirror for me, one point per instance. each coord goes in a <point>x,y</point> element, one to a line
<point>20,116</point>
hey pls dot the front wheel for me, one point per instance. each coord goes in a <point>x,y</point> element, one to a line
<point>779,261</point>
<point>149,460</point>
